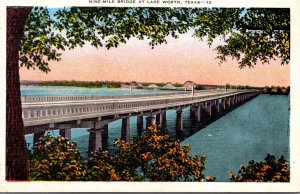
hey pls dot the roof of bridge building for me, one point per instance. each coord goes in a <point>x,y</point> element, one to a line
<point>169,85</point>
<point>189,83</point>
<point>152,86</point>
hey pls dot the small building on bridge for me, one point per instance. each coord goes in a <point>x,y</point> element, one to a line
<point>188,85</point>
<point>152,87</point>
<point>169,86</point>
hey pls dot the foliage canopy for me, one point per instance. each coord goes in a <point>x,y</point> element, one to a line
<point>56,159</point>
<point>268,171</point>
<point>247,35</point>
<point>153,157</point>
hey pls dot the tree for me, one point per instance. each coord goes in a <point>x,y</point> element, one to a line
<point>16,154</point>
<point>268,171</point>
<point>37,42</point>
<point>57,159</point>
<point>152,157</point>
<point>249,34</point>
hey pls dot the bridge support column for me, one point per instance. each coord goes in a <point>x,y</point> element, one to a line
<point>95,140</point>
<point>179,120</point>
<point>192,111</point>
<point>125,133</point>
<point>164,117</point>
<point>198,113</point>
<point>66,133</point>
<point>104,134</point>
<point>105,131</point>
<point>140,122</point>
<point>233,101</point>
<point>159,119</point>
<point>224,103</point>
<point>228,102</point>
<point>206,107</point>
<point>210,109</point>
<point>149,121</point>
<point>37,136</point>
<point>218,105</point>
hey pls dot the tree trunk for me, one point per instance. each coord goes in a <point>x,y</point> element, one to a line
<point>16,152</point>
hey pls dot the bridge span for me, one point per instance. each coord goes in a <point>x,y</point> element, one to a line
<point>96,112</point>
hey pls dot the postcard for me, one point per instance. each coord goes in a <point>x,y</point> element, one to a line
<point>149,96</point>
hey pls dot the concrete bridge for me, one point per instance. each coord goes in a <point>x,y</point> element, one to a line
<point>96,112</point>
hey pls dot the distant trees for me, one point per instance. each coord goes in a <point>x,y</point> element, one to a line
<point>87,84</point>
<point>227,86</point>
<point>160,84</point>
<point>242,87</point>
<point>276,90</point>
<point>199,87</point>
<point>178,85</point>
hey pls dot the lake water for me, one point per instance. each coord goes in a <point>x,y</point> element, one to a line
<point>248,132</point>
<point>80,91</point>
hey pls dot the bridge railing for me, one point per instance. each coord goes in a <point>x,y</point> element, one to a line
<point>31,99</point>
<point>49,111</point>
<point>28,99</point>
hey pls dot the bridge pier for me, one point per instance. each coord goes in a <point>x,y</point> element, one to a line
<point>95,140</point>
<point>198,113</point>
<point>193,111</point>
<point>149,121</point>
<point>179,120</point>
<point>140,122</point>
<point>104,136</point>
<point>224,103</point>
<point>164,117</point>
<point>159,119</point>
<point>105,131</point>
<point>125,133</point>
<point>206,107</point>
<point>210,109</point>
<point>218,105</point>
<point>37,136</point>
<point>66,133</point>
<point>234,100</point>
<point>228,103</point>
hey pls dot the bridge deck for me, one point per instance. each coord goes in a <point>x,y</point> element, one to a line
<point>43,112</point>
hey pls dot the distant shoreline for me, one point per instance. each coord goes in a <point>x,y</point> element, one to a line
<point>96,84</point>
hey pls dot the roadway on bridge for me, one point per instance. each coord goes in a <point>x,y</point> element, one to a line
<point>126,99</point>
<point>37,113</point>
